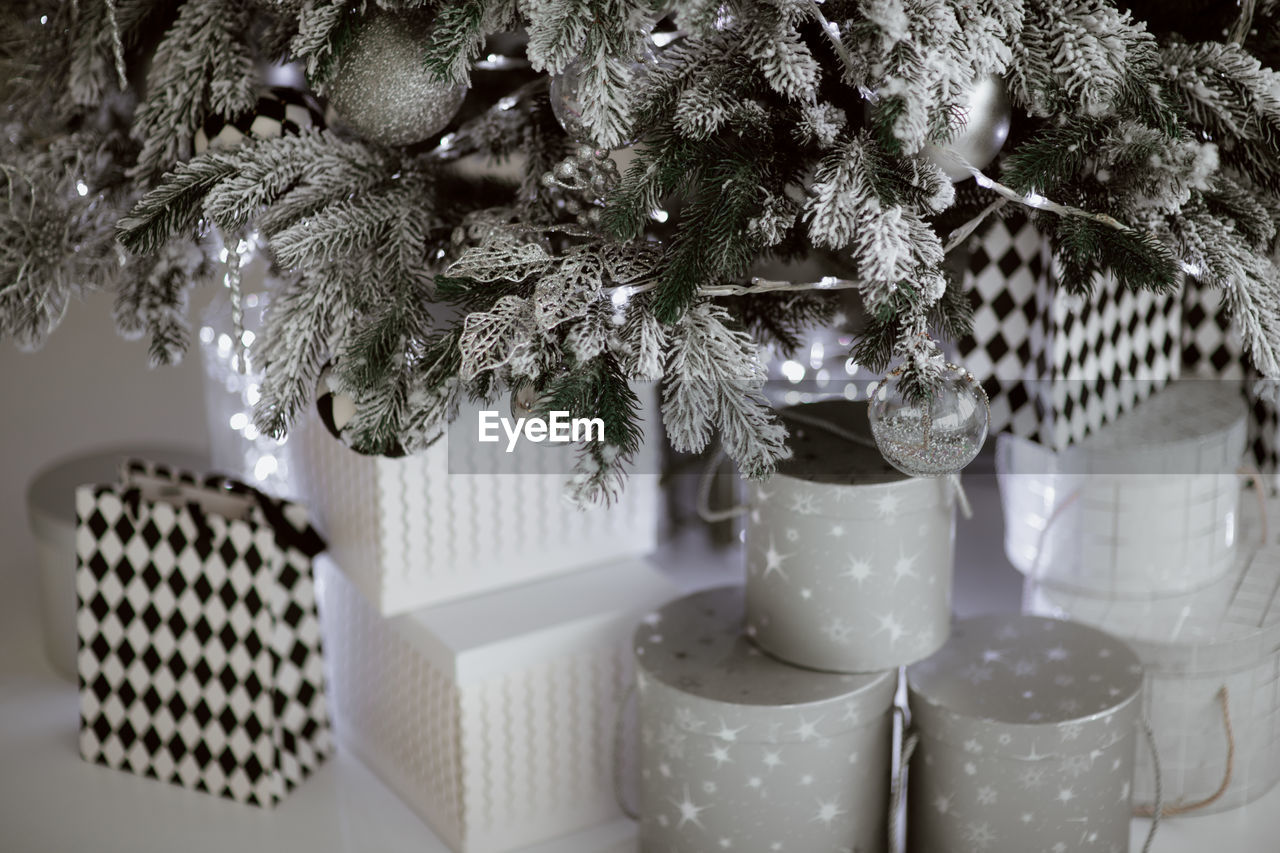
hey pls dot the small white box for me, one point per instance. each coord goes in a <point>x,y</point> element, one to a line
<point>409,533</point>
<point>494,717</point>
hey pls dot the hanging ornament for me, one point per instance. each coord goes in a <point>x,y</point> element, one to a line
<point>381,87</point>
<point>936,434</point>
<point>567,102</point>
<point>982,135</point>
<point>279,112</point>
<point>525,399</point>
<point>336,409</point>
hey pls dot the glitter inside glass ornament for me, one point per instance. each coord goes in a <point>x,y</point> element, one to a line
<point>979,140</point>
<point>936,434</point>
<point>382,88</point>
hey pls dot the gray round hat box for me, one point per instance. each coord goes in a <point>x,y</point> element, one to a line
<point>51,513</point>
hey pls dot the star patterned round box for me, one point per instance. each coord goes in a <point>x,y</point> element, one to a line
<point>1027,729</point>
<point>848,560</point>
<point>741,752</point>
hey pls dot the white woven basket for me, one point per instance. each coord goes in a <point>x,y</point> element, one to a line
<point>1225,637</point>
<point>1145,507</point>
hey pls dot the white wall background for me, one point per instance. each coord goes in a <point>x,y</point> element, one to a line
<point>86,388</point>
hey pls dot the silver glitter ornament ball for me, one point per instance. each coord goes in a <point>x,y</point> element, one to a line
<point>933,436</point>
<point>381,87</point>
<point>986,127</point>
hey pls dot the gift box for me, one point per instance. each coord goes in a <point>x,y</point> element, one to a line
<point>419,530</point>
<point>1026,729</point>
<point>848,560</point>
<point>743,752</point>
<point>1212,664</point>
<point>493,717</point>
<point>199,645</point>
<point>1145,507</point>
<point>1056,367</point>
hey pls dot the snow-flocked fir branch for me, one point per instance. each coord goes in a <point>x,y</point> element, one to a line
<point>772,132</point>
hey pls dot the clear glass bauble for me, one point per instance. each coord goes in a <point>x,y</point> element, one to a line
<point>982,133</point>
<point>567,102</point>
<point>936,434</point>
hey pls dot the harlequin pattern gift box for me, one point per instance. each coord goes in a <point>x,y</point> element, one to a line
<point>1058,367</point>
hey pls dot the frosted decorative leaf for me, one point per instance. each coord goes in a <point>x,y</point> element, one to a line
<point>567,291</point>
<point>511,262</point>
<point>489,337</point>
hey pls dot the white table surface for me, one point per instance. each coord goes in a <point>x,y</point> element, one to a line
<point>52,802</point>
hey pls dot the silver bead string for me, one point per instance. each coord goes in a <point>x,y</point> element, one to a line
<point>231,279</point>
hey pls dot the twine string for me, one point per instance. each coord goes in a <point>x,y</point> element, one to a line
<point>1159,809</point>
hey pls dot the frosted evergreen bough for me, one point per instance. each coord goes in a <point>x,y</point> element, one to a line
<point>768,131</point>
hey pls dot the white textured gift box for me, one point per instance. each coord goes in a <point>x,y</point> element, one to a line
<point>1225,637</point>
<point>1146,506</point>
<point>849,560</point>
<point>409,533</point>
<point>493,718</point>
<point>1027,729</point>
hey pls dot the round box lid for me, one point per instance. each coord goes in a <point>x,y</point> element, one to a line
<point>51,493</point>
<point>1026,687</point>
<point>1189,427</point>
<point>829,474</point>
<point>694,650</point>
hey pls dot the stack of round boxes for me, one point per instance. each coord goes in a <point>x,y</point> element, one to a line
<point>766,714</point>
<point>1143,531</point>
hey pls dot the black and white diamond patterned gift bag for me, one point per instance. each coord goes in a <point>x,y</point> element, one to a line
<point>1058,367</point>
<point>199,644</point>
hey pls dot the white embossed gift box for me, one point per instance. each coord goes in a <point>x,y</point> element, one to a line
<point>1212,662</point>
<point>492,717</point>
<point>1146,506</point>
<point>739,751</point>
<point>849,561</point>
<point>410,533</point>
<point>1027,729</point>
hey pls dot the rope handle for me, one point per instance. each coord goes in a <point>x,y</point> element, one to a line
<point>619,744</point>
<point>1158,810</point>
<point>712,516</point>
<point>898,785</point>
<point>1259,492</point>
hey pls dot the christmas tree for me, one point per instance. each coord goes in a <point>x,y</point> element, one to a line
<point>1144,140</point>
